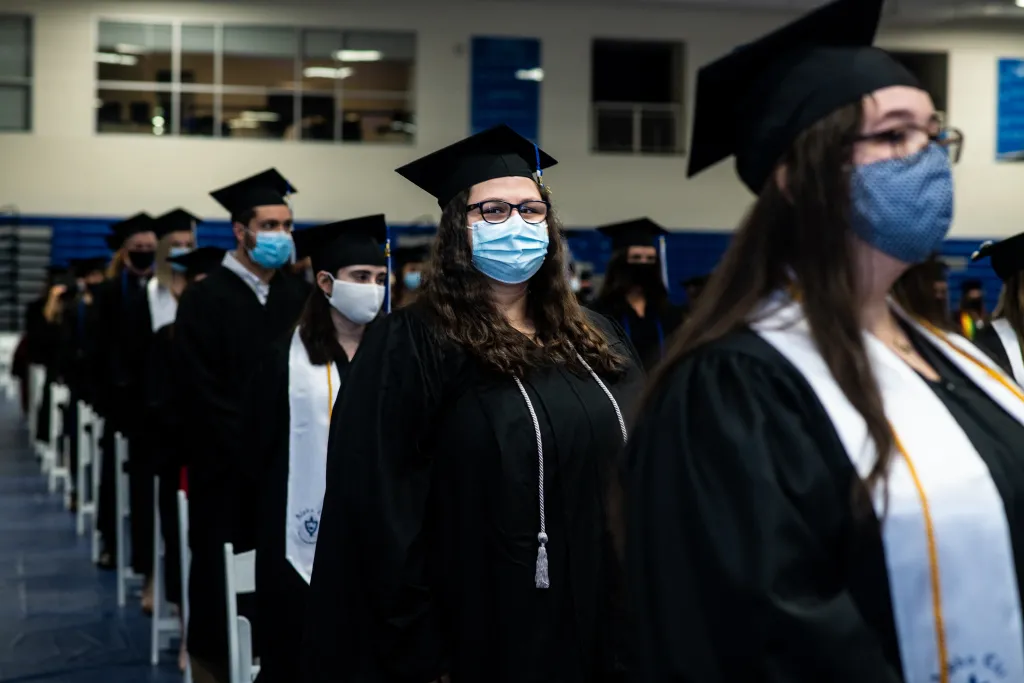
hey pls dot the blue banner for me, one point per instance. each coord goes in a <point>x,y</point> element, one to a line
<point>505,78</point>
<point>1010,117</point>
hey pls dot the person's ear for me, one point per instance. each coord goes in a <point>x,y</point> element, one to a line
<point>325,282</point>
<point>781,177</point>
<point>239,231</point>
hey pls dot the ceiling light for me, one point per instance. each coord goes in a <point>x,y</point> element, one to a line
<point>128,49</point>
<point>1020,3</point>
<point>358,55</point>
<point>119,60</point>
<point>327,72</point>
<point>257,116</point>
<point>537,74</point>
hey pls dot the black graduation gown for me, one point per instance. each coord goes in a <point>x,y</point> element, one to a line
<point>221,334</point>
<point>987,339</point>
<point>427,547</point>
<point>280,592</point>
<point>650,334</point>
<point>74,365</point>
<point>746,558</point>
<point>124,334</point>
<point>169,448</point>
<point>43,342</point>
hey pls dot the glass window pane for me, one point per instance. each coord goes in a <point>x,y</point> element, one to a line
<point>320,68</point>
<point>133,111</point>
<point>614,129</point>
<point>258,116</point>
<point>379,61</point>
<point>658,131</point>
<point>375,117</point>
<point>134,52</point>
<point>260,56</point>
<point>197,114</point>
<point>317,118</point>
<point>14,107</point>
<point>197,54</point>
<point>15,47</point>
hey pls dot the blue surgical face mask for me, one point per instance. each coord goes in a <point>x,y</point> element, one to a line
<point>412,279</point>
<point>174,253</point>
<point>904,207</point>
<point>273,249</point>
<point>511,252</point>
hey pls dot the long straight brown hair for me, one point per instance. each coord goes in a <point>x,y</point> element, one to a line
<point>804,231</point>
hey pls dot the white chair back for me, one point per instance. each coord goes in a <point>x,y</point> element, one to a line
<point>95,437</point>
<point>186,563</point>
<point>36,382</point>
<point>123,512</point>
<point>240,579</point>
<point>56,457</point>
<point>86,505</point>
<point>163,626</point>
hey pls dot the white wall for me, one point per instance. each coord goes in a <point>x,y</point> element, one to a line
<point>64,167</point>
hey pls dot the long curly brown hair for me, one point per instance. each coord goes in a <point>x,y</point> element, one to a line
<point>459,296</point>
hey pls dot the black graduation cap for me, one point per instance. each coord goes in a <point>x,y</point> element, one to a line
<point>83,266</point>
<point>497,152</point>
<point>334,246</point>
<point>968,285</point>
<point>268,188</point>
<point>413,254</point>
<point>754,102</point>
<point>55,269</point>
<point>1007,256</point>
<point>177,220</point>
<point>639,232</point>
<point>119,232</point>
<point>199,261</point>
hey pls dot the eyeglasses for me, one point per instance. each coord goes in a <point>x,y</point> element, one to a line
<point>495,211</point>
<point>909,139</point>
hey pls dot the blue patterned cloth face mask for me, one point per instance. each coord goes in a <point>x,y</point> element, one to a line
<point>273,249</point>
<point>904,207</point>
<point>174,253</point>
<point>412,279</point>
<point>511,252</point>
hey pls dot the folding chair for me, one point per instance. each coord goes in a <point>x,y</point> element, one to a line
<point>240,579</point>
<point>123,513</point>
<point>186,562</point>
<point>36,383</point>
<point>86,461</point>
<point>55,454</point>
<point>163,626</point>
<point>95,436</point>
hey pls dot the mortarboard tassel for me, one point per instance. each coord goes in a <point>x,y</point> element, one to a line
<point>541,576</point>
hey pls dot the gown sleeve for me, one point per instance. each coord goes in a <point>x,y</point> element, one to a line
<point>213,413</point>
<point>371,614</point>
<point>729,574</point>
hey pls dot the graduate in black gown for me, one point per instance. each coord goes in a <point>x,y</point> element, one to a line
<point>798,409</point>
<point>634,293</point>
<point>408,273</point>
<point>167,421</point>
<point>464,529</point>
<point>223,328</point>
<point>1001,338</point>
<point>122,325</point>
<point>290,418</point>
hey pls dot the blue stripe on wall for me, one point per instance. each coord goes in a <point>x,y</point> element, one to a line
<point>689,253</point>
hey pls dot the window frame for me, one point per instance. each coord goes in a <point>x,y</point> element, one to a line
<point>218,90</point>
<point>25,82</point>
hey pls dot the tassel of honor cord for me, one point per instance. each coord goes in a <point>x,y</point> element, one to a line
<point>663,254</point>
<point>387,279</point>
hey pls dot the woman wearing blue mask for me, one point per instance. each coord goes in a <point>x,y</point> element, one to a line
<point>408,274</point>
<point>464,529</point>
<point>822,487</point>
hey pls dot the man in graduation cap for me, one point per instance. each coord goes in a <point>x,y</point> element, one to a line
<point>289,421</point>
<point>821,486</point>
<point>1003,337</point>
<point>634,293</point>
<point>971,312</point>
<point>223,328</point>
<point>121,316</point>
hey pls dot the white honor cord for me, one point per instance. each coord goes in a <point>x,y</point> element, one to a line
<point>541,577</point>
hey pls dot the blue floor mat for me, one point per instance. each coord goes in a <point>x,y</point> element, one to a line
<point>59,620</point>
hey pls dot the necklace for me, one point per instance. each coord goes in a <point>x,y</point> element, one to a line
<point>904,347</point>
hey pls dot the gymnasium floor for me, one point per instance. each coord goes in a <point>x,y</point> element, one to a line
<point>59,620</point>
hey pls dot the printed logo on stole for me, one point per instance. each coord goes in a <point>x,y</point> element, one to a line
<point>308,525</point>
<point>986,668</point>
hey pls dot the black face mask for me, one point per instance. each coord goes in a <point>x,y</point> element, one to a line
<point>973,304</point>
<point>141,260</point>
<point>643,275</point>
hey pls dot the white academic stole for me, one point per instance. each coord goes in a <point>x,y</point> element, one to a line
<point>970,616</point>
<point>163,307</point>
<point>1008,338</point>
<point>312,390</point>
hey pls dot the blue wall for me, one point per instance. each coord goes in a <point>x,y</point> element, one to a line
<point>689,253</point>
